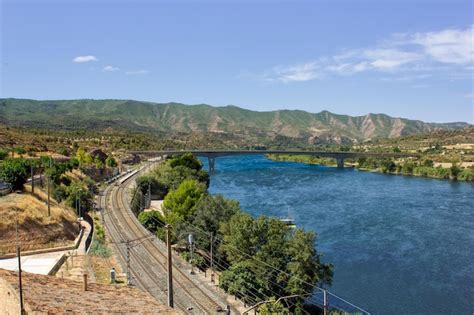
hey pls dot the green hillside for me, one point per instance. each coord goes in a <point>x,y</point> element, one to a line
<point>174,118</point>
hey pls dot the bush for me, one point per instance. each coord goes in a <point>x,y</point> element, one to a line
<point>197,260</point>
<point>157,188</point>
<point>152,220</point>
<point>187,160</point>
<point>60,193</point>
<point>3,154</point>
<point>15,172</point>
<point>179,203</point>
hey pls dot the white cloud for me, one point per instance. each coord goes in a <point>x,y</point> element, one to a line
<point>389,59</point>
<point>448,46</point>
<point>424,54</point>
<point>135,72</point>
<point>301,72</point>
<point>110,68</point>
<point>82,59</point>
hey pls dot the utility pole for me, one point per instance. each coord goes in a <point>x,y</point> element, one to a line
<point>170,266</point>
<point>129,278</point>
<point>212,257</point>
<point>18,254</point>
<point>325,303</point>
<point>32,180</point>
<point>191,249</point>
<point>149,196</point>
<point>49,189</point>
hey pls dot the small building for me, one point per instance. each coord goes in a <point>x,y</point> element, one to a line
<point>52,295</point>
<point>98,153</point>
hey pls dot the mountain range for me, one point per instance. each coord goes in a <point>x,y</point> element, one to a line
<point>232,121</point>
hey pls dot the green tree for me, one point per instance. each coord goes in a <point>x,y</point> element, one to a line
<point>455,170</point>
<point>79,191</point>
<point>282,261</point>
<point>15,172</point>
<point>3,154</point>
<point>305,264</point>
<point>241,281</point>
<point>20,151</point>
<point>149,180</point>
<point>388,166</point>
<point>273,308</point>
<point>179,204</point>
<point>98,162</point>
<point>110,161</point>
<point>209,212</point>
<point>152,220</point>
<point>187,160</point>
<point>83,157</point>
<point>172,177</point>
<point>428,163</point>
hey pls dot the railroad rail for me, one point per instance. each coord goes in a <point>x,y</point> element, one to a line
<point>148,256</point>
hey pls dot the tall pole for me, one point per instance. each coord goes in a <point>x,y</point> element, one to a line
<point>149,196</point>
<point>20,285</point>
<point>325,303</point>
<point>212,257</point>
<point>170,266</point>
<point>129,278</point>
<point>32,180</point>
<point>49,189</point>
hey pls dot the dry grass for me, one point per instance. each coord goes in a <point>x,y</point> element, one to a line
<point>36,229</point>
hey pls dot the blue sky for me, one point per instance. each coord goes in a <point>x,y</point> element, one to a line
<point>404,58</point>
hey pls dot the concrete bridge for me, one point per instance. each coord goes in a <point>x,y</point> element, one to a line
<point>340,156</point>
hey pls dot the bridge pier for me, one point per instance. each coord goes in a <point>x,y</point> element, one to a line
<point>340,162</point>
<point>212,164</point>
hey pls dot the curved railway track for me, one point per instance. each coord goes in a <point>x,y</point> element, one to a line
<point>148,258</point>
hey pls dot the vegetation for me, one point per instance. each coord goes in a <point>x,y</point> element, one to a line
<point>230,125</point>
<point>14,172</point>
<point>99,246</point>
<point>258,257</point>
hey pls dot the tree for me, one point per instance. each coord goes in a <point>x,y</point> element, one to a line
<point>388,166</point>
<point>305,265</point>
<point>173,176</point>
<point>110,161</point>
<point>98,163</point>
<point>241,281</point>
<point>273,308</point>
<point>187,160</point>
<point>20,151</point>
<point>15,172</point>
<point>179,204</point>
<point>157,188</point>
<point>152,220</point>
<point>3,154</point>
<point>83,157</point>
<point>282,261</point>
<point>209,212</point>
<point>79,191</point>
<point>455,170</point>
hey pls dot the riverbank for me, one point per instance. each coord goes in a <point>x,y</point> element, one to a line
<point>388,166</point>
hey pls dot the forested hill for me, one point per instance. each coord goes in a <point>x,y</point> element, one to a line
<point>230,120</point>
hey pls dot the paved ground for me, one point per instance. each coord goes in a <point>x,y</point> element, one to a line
<point>39,264</point>
<point>43,263</point>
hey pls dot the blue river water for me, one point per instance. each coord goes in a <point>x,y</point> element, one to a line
<point>399,245</point>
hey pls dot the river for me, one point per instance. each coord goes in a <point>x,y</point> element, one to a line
<point>399,245</point>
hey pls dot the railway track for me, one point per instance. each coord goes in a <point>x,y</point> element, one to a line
<point>148,257</point>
